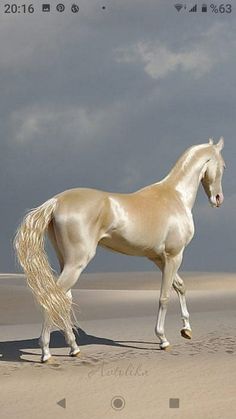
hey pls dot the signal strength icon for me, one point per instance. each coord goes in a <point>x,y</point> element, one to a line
<point>194,8</point>
<point>179,7</point>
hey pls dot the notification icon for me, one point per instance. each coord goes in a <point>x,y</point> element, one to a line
<point>60,7</point>
<point>45,7</point>
<point>74,8</point>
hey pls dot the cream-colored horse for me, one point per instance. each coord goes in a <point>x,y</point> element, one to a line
<point>155,222</point>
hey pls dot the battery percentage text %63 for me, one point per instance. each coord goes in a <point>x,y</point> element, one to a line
<point>222,8</point>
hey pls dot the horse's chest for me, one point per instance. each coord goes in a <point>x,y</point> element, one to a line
<point>180,232</point>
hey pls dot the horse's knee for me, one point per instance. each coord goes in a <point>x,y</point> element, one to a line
<point>163,301</point>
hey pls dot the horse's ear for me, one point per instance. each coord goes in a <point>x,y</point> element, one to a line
<point>211,142</point>
<point>220,144</point>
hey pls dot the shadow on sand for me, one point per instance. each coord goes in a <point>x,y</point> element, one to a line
<point>13,350</point>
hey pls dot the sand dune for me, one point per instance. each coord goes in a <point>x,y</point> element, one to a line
<point>121,371</point>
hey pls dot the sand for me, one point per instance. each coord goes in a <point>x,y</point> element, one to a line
<point>121,372</point>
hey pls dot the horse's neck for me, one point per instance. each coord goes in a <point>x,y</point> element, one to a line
<point>187,173</point>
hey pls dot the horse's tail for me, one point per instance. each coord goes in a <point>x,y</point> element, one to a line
<point>29,245</point>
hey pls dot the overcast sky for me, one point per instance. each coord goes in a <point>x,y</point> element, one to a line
<point>110,99</point>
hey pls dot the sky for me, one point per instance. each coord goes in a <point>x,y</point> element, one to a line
<point>109,99</point>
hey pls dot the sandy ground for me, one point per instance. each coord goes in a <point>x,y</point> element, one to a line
<point>121,372</point>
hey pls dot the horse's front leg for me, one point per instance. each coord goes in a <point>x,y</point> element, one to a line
<point>170,266</point>
<point>179,287</point>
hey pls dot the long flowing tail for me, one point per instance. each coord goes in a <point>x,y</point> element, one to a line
<point>29,245</point>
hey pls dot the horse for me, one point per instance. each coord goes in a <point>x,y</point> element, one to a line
<point>154,222</point>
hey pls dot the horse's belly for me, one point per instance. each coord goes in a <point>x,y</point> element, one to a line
<point>121,245</point>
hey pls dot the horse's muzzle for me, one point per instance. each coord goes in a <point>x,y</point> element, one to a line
<point>217,200</point>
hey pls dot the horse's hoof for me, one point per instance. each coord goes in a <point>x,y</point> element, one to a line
<point>165,346</point>
<point>186,333</point>
<point>50,361</point>
<point>76,354</point>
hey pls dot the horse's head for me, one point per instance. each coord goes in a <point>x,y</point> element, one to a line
<point>212,176</point>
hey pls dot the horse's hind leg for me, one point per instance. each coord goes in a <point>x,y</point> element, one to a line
<point>70,336</point>
<point>72,264</point>
<point>179,287</point>
<point>44,339</point>
<point>69,276</point>
<point>66,280</point>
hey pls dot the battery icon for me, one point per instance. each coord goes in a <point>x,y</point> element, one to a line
<point>204,8</point>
